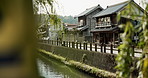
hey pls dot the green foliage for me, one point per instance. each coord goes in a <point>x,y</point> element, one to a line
<point>143,62</point>
<point>124,59</point>
<point>54,20</point>
<point>49,17</point>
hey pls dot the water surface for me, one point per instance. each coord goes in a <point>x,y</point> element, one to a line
<point>50,68</point>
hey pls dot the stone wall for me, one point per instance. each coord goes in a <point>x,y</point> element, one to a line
<point>100,60</point>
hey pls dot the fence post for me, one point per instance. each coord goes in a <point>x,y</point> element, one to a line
<point>118,49</point>
<point>101,47</point>
<point>84,45</point>
<point>104,48</point>
<point>80,45</point>
<point>90,46</point>
<point>111,48</point>
<point>63,43</point>
<point>77,45</point>
<point>95,47</point>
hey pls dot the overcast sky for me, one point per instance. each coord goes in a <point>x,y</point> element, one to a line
<point>74,7</point>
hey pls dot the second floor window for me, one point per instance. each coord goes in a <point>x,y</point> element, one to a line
<point>104,21</point>
<point>81,23</point>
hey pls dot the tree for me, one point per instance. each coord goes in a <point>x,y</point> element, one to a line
<point>125,64</point>
<point>51,19</point>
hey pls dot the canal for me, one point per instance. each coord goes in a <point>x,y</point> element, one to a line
<point>50,68</point>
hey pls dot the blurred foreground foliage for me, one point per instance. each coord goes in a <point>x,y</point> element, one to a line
<point>125,60</point>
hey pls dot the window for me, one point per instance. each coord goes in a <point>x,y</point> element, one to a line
<point>81,22</point>
<point>105,21</point>
<point>108,20</point>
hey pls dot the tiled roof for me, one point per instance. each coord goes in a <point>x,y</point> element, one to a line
<point>89,10</point>
<point>82,28</point>
<point>105,30</point>
<point>111,9</point>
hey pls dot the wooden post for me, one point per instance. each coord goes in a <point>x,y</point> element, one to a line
<point>101,47</point>
<point>85,46</point>
<point>104,48</point>
<point>66,43</point>
<point>69,43</point>
<point>90,46</point>
<point>63,43</point>
<point>111,48</point>
<point>95,47</point>
<point>73,45</point>
<point>80,45</point>
<point>118,49</point>
<point>77,45</point>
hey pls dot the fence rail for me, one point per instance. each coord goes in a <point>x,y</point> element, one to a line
<point>104,48</point>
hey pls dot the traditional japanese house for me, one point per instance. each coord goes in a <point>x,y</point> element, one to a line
<point>107,28</point>
<point>86,22</point>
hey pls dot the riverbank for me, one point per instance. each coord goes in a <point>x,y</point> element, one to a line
<point>51,68</point>
<point>80,65</point>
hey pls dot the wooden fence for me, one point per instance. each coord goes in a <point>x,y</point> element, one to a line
<point>104,48</point>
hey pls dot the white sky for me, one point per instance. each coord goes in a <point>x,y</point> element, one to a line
<point>75,7</point>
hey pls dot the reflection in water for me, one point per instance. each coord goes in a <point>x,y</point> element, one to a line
<point>50,68</point>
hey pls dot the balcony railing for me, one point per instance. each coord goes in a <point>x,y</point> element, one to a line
<point>105,25</point>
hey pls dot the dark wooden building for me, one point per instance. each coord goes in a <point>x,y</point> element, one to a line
<point>86,22</point>
<point>107,28</point>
